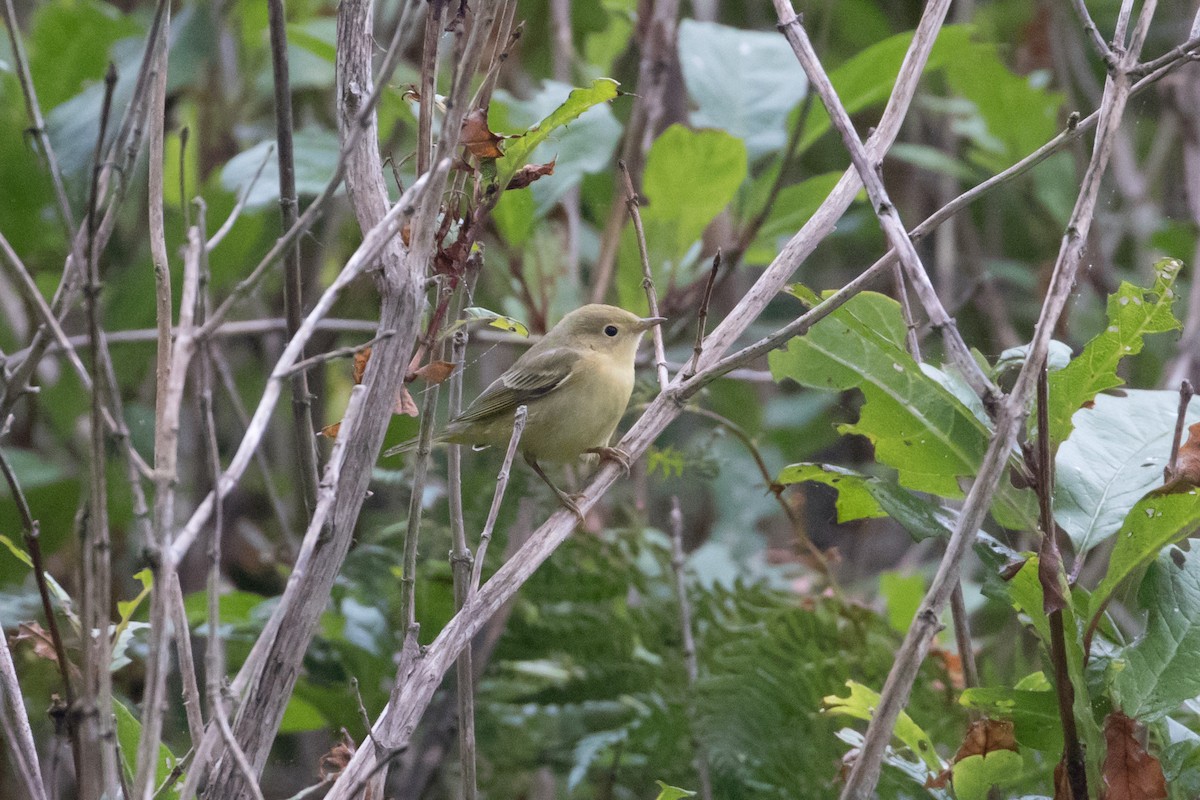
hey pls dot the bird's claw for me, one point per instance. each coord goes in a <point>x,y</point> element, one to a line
<point>571,503</point>
<point>613,454</point>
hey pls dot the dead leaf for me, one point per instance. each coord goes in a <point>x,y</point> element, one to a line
<point>405,404</point>
<point>530,173</point>
<point>478,138</point>
<point>1130,773</point>
<point>1050,574</point>
<point>435,372</point>
<point>952,663</point>
<point>330,431</point>
<point>1186,475</point>
<point>338,757</point>
<point>983,737</point>
<point>361,359</point>
<point>43,644</point>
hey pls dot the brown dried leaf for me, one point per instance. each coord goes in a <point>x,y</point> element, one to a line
<point>1051,575</point>
<point>435,372</point>
<point>530,173</point>
<point>983,737</point>
<point>361,359</point>
<point>405,404</point>
<point>338,757</point>
<point>43,644</point>
<point>1186,475</point>
<point>1130,773</point>
<point>330,431</point>
<point>478,138</point>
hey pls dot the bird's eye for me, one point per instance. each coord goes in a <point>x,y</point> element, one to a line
<point>610,330</point>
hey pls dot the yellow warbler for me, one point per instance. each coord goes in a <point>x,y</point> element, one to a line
<point>575,384</point>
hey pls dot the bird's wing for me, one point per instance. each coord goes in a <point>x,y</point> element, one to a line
<point>531,377</point>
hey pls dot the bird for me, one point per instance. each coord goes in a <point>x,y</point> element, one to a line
<point>575,384</point>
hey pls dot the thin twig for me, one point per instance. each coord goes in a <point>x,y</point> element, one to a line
<point>341,352</point>
<point>98,768</point>
<point>236,212</point>
<point>429,51</point>
<point>1185,398</point>
<point>702,316</point>
<point>460,565</point>
<point>700,759</point>
<point>1093,33</point>
<point>631,202</point>
<point>485,537</point>
<point>14,723</point>
<point>293,282</point>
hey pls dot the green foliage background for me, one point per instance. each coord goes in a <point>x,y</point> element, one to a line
<point>584,687</point>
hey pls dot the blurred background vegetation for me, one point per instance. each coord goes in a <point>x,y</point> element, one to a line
<point>582,689</point>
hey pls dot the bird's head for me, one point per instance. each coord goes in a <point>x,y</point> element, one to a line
<point>606,329</point>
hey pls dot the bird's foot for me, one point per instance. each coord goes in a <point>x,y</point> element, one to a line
<point>613,454</point>
<point>571,503</point>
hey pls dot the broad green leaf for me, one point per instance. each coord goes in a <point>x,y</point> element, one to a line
<point>690,177</point>
<point>316,152</point>
<point>975,777</point>
<point>514,215</point>
<point>301,715</point>
<point>903,595</point>
<point>917,426</point>
<point>1153,523</point>
<point>672,792</point>
<point>794,206</point>
<point>583,147</point>
<point>1018,115</point>
<point>867,78</point>
<point>863,497</point>
<point>518,152</point>
<point>129,731</point>
<point>480,314</point>
<point>742,82</point>
<point>854,500</point>
<point>1133,312</point>
<point>127,608</point>
<point>1113,457</point>
<point>1036,722</point>
<point>56,589</point>
<point>70,44</point>
<point>861,704</point>
<point>1161,669</point>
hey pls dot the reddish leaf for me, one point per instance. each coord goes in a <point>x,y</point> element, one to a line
<point>530,173</point>
<point>43,644</point>
<point>1050,574</point>
<point>330,431</point>
<point>334,761</point>
<point>983,737</point>
<point>1186,475</point>
<point>478,138</point>
<point>361,359</point>
<point>435,372</point>
<point>405,404</point>
<point>1130,773</point>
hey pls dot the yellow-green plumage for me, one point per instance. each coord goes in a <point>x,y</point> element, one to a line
<point>575,384</point>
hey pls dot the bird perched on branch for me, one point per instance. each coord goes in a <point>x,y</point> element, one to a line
<point>575,384</point>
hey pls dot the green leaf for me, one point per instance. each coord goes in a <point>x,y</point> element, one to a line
<point>301,715</point>
<point>494,320</point>
<point>854,500</point>
<point>519,151</point>
<point>1133,312</point>
<point>861,704</point>
<point>672,792</point>
<point>867,78</point>
<point>903,594</point>
<point>584,147</point>
<point>1036,722</point>
<point>794,206</point>
<point>70,43</point>
<point>316,152</point>
<point>1153,523</point>
<point>1113,457</point>
<point>742,82</point>
<point>1161,669</point>
<point>976,776</point>
<point>690,177</point>
<point>129,731</point>
<point>917,425</point>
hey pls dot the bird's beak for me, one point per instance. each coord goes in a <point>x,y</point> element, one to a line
<point>646,323</point>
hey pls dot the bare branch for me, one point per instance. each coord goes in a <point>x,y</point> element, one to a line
<point>700,758</point>
<point>631,202</point>
<point>15,725</point>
